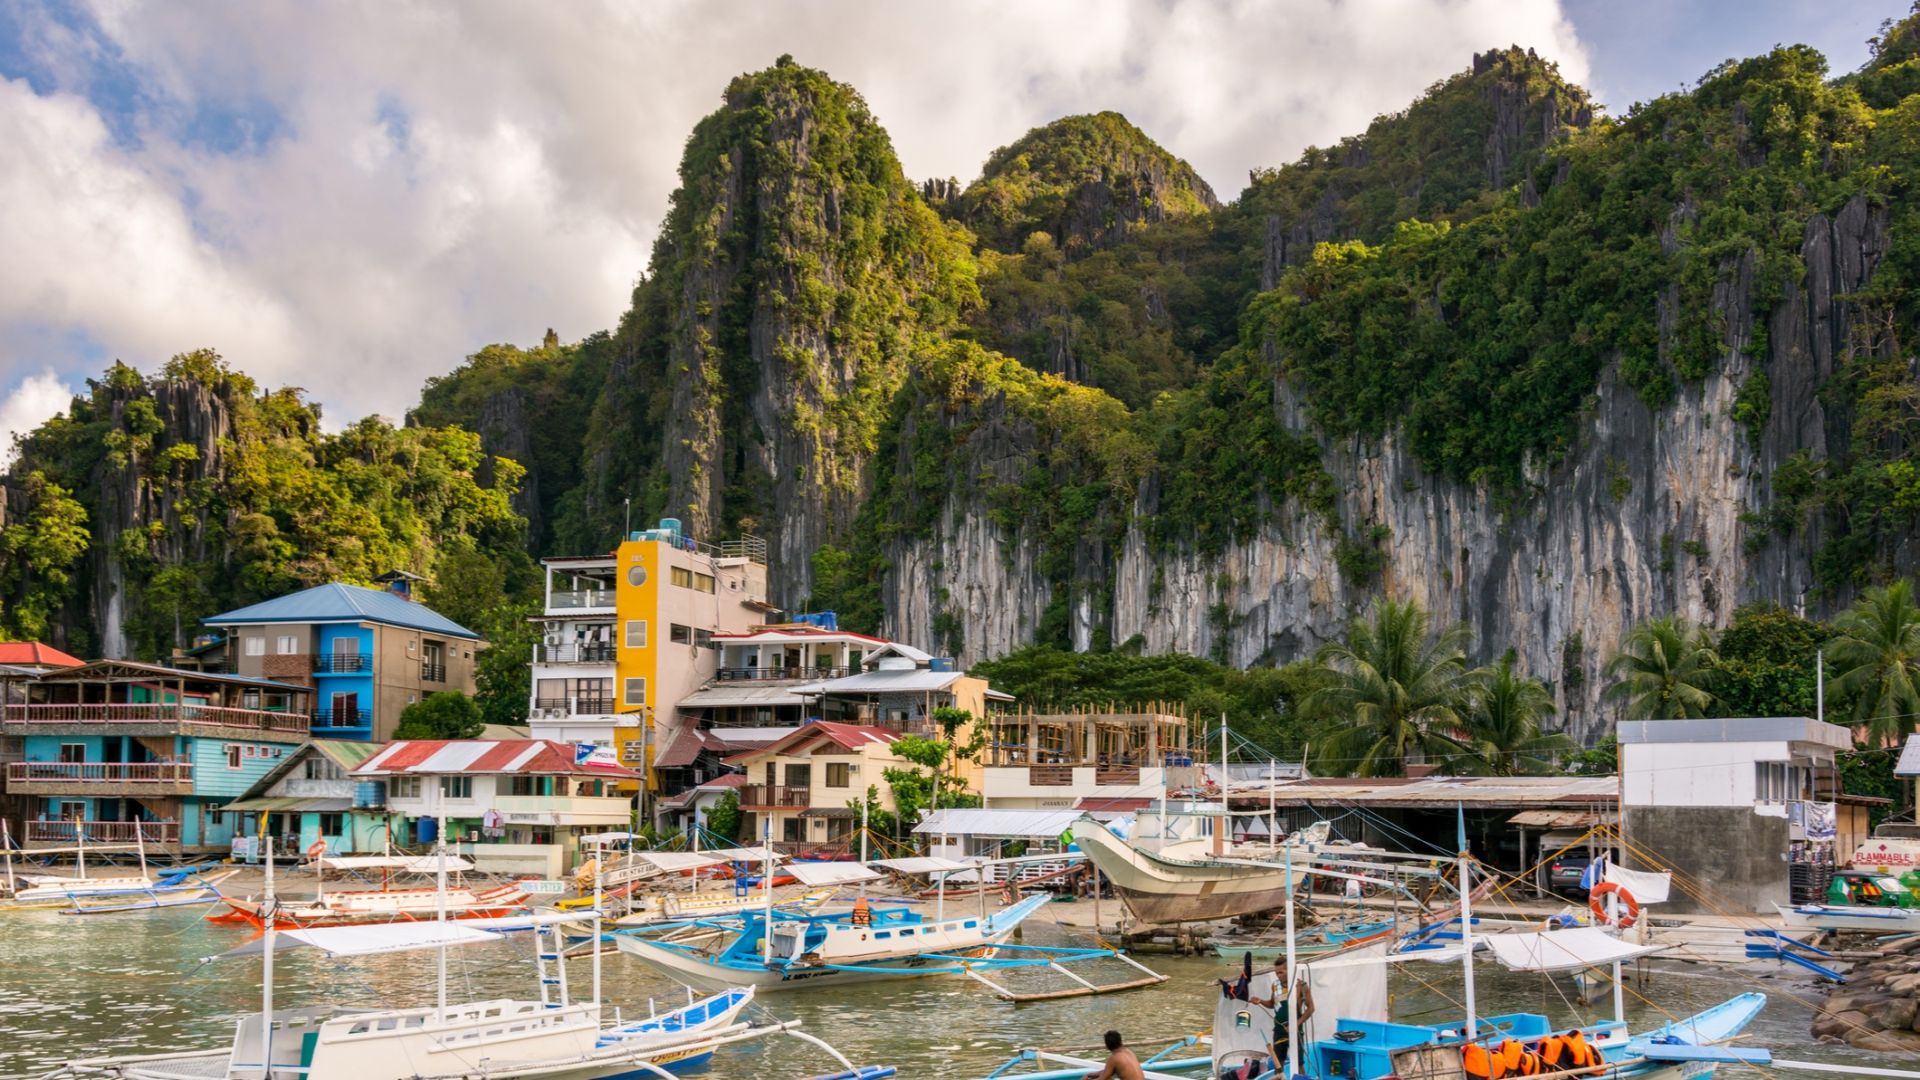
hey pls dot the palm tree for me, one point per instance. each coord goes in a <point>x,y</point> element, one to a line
<point>1395,688</point>
<point>1876,655</point>
<point>1663,670</point>
<point>1503,724</point>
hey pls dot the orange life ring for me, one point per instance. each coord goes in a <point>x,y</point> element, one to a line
<point>1597,901</point>
<point>316,850</point>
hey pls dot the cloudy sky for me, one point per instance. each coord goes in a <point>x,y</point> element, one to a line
<point>351,197</point>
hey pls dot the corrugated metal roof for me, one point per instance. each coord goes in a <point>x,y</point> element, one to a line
<point>1018,824</point>
<point>714,697</point>
<point>1737,729</point>
<point>1484,792</point>
<point>34,654</point>
<point>429,756</point>
<point>335,602</point>
<point>1558,819</point>
<point>889,682</point>
<point>1909,763</point>
<point>348,755</point>
<point>292,805</point>
<point>684,750</point>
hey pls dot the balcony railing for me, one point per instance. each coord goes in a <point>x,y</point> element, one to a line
<point>156,713</point>
<point>580,598</point>
<point>734,674</point>
<point>574,706</point>
<point>432,672</point>
<point>773,795</point>
<point>101,832</point>
<point>1106,775</point>
<point>566,809</point>
<point>98,772</point>
<point>1050,775</point>
<point>574,653</point>
<point>341,719</point>
<point>341,663</point>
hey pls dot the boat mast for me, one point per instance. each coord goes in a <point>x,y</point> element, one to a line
<point>1466,918</point>
<point>140,846</point>
<point>1220,828</point>
<point>6,843</point>
<point>599,897</point>
<point>1293,980</point>
<point>268,908</point>
<point>1273,807</point>
<point>440,894</point>
<point>865,803</point>
<point>766,886</point>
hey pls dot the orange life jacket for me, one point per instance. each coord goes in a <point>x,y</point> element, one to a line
<point>1518,1060</point>
<point>1579,1054</point>
<point>1478,1061</point>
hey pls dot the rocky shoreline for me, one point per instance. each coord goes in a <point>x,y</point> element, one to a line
<point>1879,1006</point>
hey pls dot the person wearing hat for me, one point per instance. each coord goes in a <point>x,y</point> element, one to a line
<point>1273,990</point>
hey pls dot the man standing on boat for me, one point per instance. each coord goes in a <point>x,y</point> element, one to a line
<point>1271,990</point>
<point>1121,1062</point>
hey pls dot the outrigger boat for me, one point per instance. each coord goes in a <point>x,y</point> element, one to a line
<point>346,907</point>
<point>774,950</point>
<point>83,895</point>
<point>1313,942</point>
<point>551,1037</point>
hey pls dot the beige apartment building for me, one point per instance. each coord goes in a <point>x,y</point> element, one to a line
<point>801,785</point>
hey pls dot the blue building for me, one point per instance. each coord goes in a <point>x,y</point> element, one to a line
<point>367,653</point>
<point>113,746</point>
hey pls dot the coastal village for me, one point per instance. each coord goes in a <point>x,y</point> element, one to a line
<point>686,741</point>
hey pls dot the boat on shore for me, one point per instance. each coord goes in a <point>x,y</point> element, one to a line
<point>1849,918</point>
<point>1179,883</point>
<point>346,907</point>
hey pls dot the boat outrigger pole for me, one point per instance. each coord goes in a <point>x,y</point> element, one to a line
<point>1293,980</point>
<point>1466,919</point>
<point>266,966</point>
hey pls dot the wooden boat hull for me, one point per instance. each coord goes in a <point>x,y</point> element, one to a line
<point>712,979</point>
<point>349,909</point>
<point>1865,920</point>
<point>1157,889</point>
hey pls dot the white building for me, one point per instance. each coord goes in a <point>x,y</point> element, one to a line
<point>1745,803</point>
<point>516,806</point>
<point>573,662</point>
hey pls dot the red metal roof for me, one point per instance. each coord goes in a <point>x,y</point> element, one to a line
<point>683,751</point>
<point>543,757</point>
<point>848,736</point>
<point>34,654</point>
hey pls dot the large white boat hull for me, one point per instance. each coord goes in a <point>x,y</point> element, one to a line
<point>1862,919</point>
<point>1159,889</point>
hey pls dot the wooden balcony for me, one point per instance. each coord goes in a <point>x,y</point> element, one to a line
<point>773,797</point>
<point>99,778</point>
<point>1050,775</point>
<point>102,832</point>
<point>164,718</point>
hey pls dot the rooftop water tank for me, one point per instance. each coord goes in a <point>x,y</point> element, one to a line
<point>671,526</point>
<point>940,663</point>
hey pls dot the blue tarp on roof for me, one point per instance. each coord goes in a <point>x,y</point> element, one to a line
<point>344,603</point>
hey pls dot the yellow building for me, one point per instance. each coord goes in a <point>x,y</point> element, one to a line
<point>671,595</point>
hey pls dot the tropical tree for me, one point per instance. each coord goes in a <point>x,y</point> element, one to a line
<point>1663,671</point>
<point>448,714</point>
<point>1504,724</point>
<point>1395,691</point>
<point>1876,658</point>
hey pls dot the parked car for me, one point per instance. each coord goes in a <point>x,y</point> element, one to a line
<point>1564,875</point>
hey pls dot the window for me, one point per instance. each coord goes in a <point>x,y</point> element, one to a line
<point>682,577</point>
<point>680,635</point>
<point>703,583</point>
<point>636,633</point>
<point>456,787</point>
<point>853,658</point>
<point>403,787</point>
<point>286,644</point>
<point>253,646</point>
<point>216,817</point>
<point>333,824</point>
<point>73,753</point>
<point>233,755</point>
<point>836,774</point>
<point>636,692</point>
<point>1770,782</point>
<point>703,638</point>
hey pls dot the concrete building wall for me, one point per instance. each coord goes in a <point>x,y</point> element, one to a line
<point>1741,855</point>
<point>1695,774</point>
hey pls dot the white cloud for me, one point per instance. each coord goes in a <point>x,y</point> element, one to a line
<point>29,404</point>
<point>445,177</point>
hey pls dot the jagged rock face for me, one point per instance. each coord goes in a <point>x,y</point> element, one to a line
<point>1087,181</point>
<point>1506,93</point>
<point>799,265</point>
<point>506,431</point>
<point>1642,520</point>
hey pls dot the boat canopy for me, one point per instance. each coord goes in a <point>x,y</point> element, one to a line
<point>670,861</point>
<point>1563,950</point>
<point>926,864</point>
<point>745,854</point>
<point>420,864</point>
<point>591,839</point>
<point>830,873</point>
<point>370,939</point>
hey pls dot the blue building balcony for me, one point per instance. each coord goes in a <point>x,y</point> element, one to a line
<point>342,724</point>
<point>342,663</point>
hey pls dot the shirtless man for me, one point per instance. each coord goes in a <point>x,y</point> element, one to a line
<point>1121,1064</point>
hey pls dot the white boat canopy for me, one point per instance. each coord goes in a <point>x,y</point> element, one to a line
<point>591,839</point>
<point>671,861</point>
<point>1563,950</point>
<point>830,873</point>
<point>744,854</point>
<point>926,864</point>
<point>423,864</point>
<point>367,940</point>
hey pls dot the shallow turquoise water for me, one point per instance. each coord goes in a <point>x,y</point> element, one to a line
<point>74,987</point>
